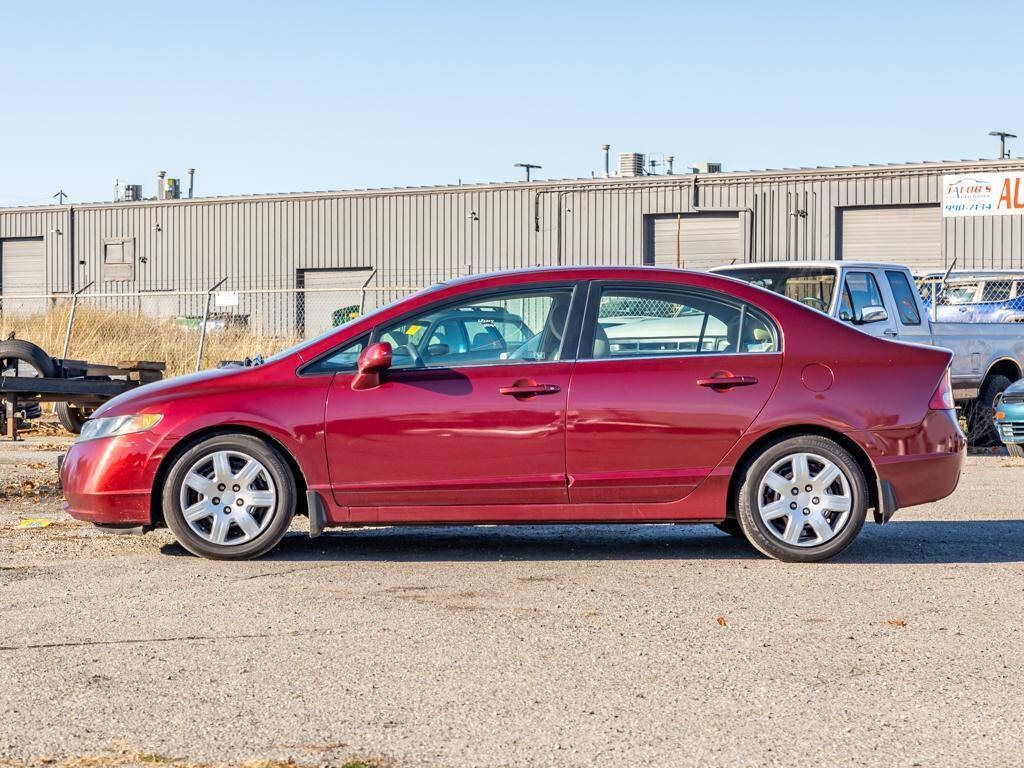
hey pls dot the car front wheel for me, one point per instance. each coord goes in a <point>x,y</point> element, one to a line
<point>802,499</point>
<point>229,497</point>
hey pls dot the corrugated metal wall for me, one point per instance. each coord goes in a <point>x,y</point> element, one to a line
<point>419,236</point>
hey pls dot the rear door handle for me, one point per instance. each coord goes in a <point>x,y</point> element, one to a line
<point>529,390</point>
<point>727,382</point>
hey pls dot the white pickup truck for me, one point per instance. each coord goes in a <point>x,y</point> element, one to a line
<point>882,300</point>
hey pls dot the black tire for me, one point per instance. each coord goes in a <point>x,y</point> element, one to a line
<point>1015,449</point>
<point>770,542</point>
<point>14,351</point>
<point>72,417</point>
<point>282,512</point>
<point>23,358</point>
<point>731,526</point>
<point>980,428</point>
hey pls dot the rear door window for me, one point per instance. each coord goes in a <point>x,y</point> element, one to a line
<point>664,320</point>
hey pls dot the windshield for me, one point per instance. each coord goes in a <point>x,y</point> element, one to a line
<point>812,286</point>
<point>958,293</point>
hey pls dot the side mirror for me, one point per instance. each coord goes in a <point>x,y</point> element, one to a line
<point>373,361</point>
<point>873,314</point>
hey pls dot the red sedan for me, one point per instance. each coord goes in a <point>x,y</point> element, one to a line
<point>570,395</point>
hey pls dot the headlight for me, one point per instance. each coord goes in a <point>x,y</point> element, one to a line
<point>118,425</point>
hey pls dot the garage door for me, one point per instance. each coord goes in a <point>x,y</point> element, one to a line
<point>329,291</point>
<point>694,240</point>
<point>903,234</point>
<point>22,273</point>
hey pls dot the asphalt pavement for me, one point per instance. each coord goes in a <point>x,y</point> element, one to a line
<point>513,646</point>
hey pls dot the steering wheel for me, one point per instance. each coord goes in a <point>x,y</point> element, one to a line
<point>415,356</point>
<point>814,301</point>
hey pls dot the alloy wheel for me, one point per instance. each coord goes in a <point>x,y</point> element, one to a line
<point>228,498</point>
<point>804,499</point>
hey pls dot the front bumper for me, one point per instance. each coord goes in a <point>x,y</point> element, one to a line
<point>109,480</point>
<point>1010,431</point>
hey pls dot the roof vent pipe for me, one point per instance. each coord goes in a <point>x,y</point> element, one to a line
<point>160,175</point>
<point>191,178</point>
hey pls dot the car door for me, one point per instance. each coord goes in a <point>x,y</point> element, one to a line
<point>860,292</point>
<point>451,426</point>
<point>908,309</point>
<point>658,397</point>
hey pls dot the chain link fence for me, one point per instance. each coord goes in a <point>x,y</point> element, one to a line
<point>169,326</point>
<point>980,297</point>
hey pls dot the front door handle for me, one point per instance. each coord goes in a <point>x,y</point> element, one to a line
<point>530,390</point>
<point>727,382</point>
<point>890,332</point>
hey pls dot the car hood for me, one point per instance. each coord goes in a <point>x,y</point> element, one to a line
<point>143,398</point>
<point>1016,388</point>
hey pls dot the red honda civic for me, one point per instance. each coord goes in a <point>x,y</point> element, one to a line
<point>564,395</point>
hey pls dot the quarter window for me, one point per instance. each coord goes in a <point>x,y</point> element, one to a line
<point>906,301</point>
<point>504,328</point>
<point>648,322</point>
<point>340,361</point>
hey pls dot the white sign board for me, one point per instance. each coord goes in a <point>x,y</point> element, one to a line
<point>225,299</point>
<point>983,194</point>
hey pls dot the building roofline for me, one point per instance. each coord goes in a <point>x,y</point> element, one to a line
<point>615,182</point>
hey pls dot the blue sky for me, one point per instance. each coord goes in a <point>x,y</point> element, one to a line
<point>273,96</point>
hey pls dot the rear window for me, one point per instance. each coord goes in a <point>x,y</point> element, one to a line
<point>906,303</point>
<point>811,286</point>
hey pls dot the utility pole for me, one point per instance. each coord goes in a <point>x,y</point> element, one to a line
<point>1003,136</point>
<point>62,196</point>
<point>526,167</point>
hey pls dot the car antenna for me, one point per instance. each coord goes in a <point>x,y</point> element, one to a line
<point>945,277</point>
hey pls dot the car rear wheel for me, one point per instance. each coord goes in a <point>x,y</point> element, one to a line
<point>229,497</point>
<point>802,499</point>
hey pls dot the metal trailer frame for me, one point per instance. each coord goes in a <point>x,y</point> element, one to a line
<point>77,383</point>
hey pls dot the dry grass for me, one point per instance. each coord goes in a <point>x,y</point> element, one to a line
<point>103,336</point>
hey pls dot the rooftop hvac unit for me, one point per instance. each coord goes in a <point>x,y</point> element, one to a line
<point>631,164</point>
<point>170,189</point>
<point>707,168</point>
<point>123,191</point>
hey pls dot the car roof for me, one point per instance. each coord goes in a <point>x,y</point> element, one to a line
<point>819,264</point>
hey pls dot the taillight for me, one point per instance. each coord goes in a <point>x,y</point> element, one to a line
<point>942,400</point>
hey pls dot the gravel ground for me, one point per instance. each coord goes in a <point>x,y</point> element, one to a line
<point>529,646</point>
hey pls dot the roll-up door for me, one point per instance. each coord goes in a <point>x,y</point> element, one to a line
<point>22,273</point>
<point>694,240</point>
<point>901,234</point>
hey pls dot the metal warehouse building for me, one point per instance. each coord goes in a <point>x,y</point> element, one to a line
<point>400,239</point>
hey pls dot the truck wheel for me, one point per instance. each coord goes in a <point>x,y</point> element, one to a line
<point>980,428</point>
<point>72,417</point>
<point>1015,449</point>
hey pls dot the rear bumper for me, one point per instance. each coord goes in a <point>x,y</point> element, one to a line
<point>916,465</point>
<point>109,480</point>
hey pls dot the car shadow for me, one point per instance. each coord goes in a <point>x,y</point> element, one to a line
<point>898,542</point>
